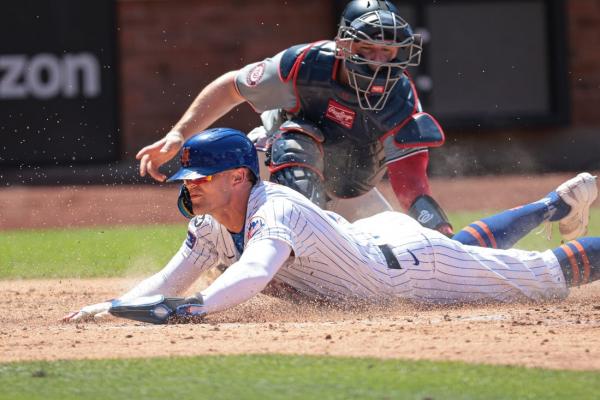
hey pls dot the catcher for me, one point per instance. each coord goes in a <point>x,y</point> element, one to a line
<point>265,231</point>
<point>336,116</point>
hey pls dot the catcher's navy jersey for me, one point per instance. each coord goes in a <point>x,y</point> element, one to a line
<point>385,256</point>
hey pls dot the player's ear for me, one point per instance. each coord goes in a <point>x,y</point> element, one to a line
<point>238,175</point>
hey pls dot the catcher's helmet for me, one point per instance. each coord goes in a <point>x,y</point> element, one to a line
<point>374,80</point>
<point>356,8</point>
<point>216,150</point>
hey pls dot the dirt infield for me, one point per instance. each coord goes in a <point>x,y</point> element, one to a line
<point>561,334</point>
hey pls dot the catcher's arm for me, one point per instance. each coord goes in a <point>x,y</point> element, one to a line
<point>214,101</point>
<point>408,177</point>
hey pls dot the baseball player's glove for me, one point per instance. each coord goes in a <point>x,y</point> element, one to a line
<point>160,310</point>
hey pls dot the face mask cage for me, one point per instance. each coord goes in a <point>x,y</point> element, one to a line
<point>374,80</point>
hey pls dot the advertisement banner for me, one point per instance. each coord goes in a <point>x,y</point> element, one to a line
<point>58,103</point>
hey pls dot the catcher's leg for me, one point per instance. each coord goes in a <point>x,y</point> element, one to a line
<point>569,204</point>
<point>296,161</point>
<point>579,260</point>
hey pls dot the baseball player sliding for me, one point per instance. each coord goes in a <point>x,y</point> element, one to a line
<point>264,231</point>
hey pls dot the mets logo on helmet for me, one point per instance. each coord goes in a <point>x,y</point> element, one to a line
<point>185,157</point>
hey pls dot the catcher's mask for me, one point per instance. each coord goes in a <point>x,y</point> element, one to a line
<point>210,152</point>
<point>374,80</point>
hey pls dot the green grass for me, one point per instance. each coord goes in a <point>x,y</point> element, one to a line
<point>89,252</point>
<point>138,250</point>
<point>129,250</point>
<point>287,377</point>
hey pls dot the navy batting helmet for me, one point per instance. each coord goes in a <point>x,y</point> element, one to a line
<point>216,150</point>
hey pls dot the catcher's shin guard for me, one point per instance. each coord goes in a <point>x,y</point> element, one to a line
<point>159,309</point>
<point>429,214</point>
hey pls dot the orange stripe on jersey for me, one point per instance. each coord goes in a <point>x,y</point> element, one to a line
<point>586,261</point>
<point>573,263</point>
<point>476,235</point>
<point>488,232</point>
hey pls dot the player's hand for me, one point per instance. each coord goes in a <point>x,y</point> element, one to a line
<point>153,156</point>
<point>95,311</point>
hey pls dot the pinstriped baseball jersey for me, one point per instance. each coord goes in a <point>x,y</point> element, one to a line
<point>336,259</point>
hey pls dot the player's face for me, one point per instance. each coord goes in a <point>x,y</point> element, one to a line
<point>197,182</point>
<point>375,52</point>
<point>214,195</point>
<point>209,193</point>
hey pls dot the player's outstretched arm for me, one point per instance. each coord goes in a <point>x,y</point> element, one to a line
<point>247,277</point>
<point>176,277</point>
<point>238,283</point>
<point>214,101</point>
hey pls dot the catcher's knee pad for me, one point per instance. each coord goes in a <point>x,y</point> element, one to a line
<point>296,161</point>
<point>429,214</point>
<point>296,148</point>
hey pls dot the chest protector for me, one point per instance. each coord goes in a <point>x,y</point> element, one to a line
<point>353,145</point>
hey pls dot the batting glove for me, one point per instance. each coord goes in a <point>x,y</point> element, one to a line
<point>159,309</point>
